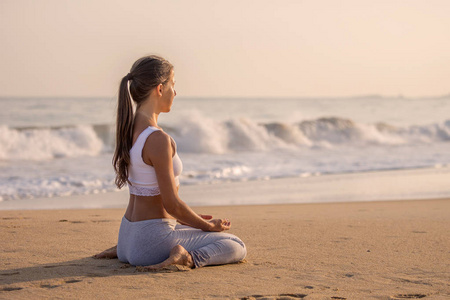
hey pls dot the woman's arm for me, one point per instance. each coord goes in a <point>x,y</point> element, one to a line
<point>204,217</point>
<point>160,156</point>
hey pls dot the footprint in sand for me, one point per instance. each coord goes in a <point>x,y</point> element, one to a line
<point>408,296</point>
<point>102,221</point>
<point>73,281</point>
<point>168,269</point>
<point>58,266</point>
<point>11,288</point>
<point>125,266</point>
<point>73,222</point>
<point>49,286</point>
<point>9,274</point>
<point>96,275</point>
<point>275,297</point>
<point>59,283</point>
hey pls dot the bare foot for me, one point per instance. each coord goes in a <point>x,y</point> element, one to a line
<point>178,256</point>
<point>108,253</point>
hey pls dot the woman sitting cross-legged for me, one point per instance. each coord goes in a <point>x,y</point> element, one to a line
<point>146,158</point>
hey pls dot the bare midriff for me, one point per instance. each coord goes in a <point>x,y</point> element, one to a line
<point>142,208</point>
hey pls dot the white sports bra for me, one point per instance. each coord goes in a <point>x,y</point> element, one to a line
<point>142,176</point>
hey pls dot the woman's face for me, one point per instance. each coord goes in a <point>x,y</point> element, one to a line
<point>168,93</point>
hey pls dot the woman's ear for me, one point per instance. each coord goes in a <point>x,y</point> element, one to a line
<point>159,89</point>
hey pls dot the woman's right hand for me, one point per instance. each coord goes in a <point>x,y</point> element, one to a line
<point>219,225</point>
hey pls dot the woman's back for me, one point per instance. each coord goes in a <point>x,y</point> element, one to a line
<point>142,176</point>
<point>145,200</point>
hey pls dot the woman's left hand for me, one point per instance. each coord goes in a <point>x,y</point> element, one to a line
<point>219,225</point>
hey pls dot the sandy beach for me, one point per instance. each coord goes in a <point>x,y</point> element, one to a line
<point>364,250</point>
<point>320,129</point>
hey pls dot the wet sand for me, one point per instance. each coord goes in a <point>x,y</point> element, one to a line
<point>361,250</point>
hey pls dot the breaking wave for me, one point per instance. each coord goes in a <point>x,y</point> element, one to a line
<point>198,134</point>
<point>53,142</point>
<point>206,136</point>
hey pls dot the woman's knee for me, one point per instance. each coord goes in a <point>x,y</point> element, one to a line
<point>239,248</point>
<point>237,240</point>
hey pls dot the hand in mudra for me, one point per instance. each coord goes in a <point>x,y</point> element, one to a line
<point>220,225</point>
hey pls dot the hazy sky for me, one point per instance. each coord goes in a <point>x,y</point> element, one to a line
<point>228,48</point>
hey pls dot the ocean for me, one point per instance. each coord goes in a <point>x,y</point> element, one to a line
<point>63,146</point>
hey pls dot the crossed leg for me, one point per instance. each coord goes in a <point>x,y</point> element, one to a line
<point>210,248</point>
<point>178,256</point>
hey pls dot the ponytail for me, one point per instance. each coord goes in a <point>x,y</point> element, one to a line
<point>124,134</point>
<point>145,74</point>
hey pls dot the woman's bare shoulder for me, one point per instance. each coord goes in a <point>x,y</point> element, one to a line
<point>157,143</point>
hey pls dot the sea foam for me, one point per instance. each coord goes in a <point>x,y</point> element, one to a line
<point>208,136</point>
<point>49,143</point>
<point>199,134</point>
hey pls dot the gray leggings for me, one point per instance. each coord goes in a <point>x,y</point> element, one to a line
<point>149,242</point>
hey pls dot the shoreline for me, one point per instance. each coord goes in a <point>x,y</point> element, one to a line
<point>404,184</point>
<point>355,250</point>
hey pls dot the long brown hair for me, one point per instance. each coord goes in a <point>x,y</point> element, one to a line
<point>145,74</point>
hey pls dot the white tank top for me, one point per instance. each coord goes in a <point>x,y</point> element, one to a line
<point>142,176</point>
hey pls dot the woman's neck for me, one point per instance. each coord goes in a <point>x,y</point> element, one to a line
<point>150,117</point>
<point>148,111</point>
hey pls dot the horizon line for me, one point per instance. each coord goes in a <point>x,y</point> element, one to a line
<point>356,96</point>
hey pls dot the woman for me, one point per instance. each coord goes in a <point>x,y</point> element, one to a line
<point>146,158</point>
